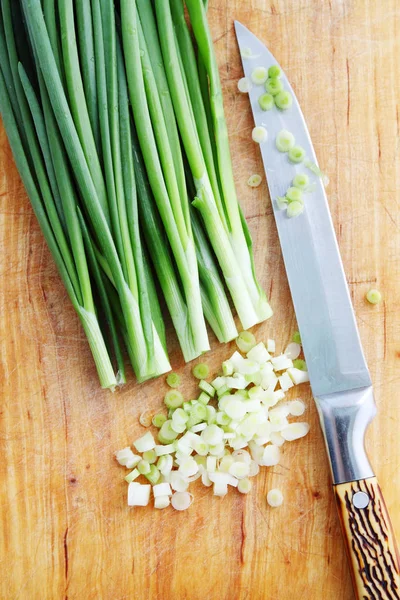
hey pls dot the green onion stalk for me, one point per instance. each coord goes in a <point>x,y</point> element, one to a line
<point>158,158</point>
<point>78,289</point>
<point>252,306</point>
<point>147,362</point>
<point>234,265</point>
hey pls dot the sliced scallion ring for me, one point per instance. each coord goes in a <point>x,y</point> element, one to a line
<point>283,100</point>
<point>273,86</point>
<point>301,181</point>
<point>254,180</point>
<point>201,371</point>
<point>259,135</point>
<point>285,140</point>
<point>296,154</point>
<point>259,75</point>
<point>244,85</point>
<point>293,194</point>
<point>295,209</point>
<point>245,341</point>
<point>274,72</point>
<point>266,101</point>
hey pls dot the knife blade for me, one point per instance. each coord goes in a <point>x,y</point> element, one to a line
<point>339,375</point>
<point>314,268</point>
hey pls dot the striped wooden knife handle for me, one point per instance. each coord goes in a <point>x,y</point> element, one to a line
<point>370,541</point>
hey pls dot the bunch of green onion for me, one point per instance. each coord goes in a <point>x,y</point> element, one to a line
<point>115,118</point>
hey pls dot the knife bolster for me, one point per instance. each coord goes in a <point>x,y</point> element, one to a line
<point>345,417</point>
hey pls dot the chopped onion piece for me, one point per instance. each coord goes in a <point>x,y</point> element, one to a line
<point>166,465</point>
<point>138,494</point>
<point>254,180</point>
<point>220,381</point>
<point>235,409</point>
<point>178,482</point>
<point>181,500</point>
<point>227,368</point>
<point>220,489</point>
<point>259,354</point>
<point>271,346</point>
<point>293,350</point>
<point>127,458</point>
<point>373,296</point>
<point>226,478</point>
<point>245,341</point>
<point>244,486</point>
<point>225,463</point>
<point>254,469</point>
<point>271,456</point>
<point>199,427</point>
<point>281,362</point>
<point>277,439</point>
<point>236,382</point>
<point>298,376</point>
<point>259,75</point>
<point>146,442</point>
<point>145,418</point>
<point>162,489</point>
<point>212,434</point>
<point>161,501</point>
<point>239,470</point>
<point>132,476</point>
<point>297,408</point>
<point>189,467</point>
<point>161,449</point>
<point>275,498</point>
<point>285,382</point>
<point>259,135</point>
<point>244,85</point>
<point>295,209</point>
<point>295,431</point>
<point>211,464</point>
<point>242,456</point>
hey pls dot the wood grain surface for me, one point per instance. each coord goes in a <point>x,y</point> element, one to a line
<point>66,531</point>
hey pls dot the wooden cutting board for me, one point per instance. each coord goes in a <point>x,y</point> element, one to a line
<point>66,531</point>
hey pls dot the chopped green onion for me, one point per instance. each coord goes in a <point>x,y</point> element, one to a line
<point>201,371</point>
<point>245,341</point>
<point>296,154</point>
<point>293,194</point>
<point>132,476</point>
<point>274,86</point>
<point>173,380</point>
<point>259,135</point>
<point>266,101</point>
<point>143,467</point>
<point>284,140</point>
<point>144,443</point>
<point>198,412</point>
<point>282,202</point>
<point>283,100</point>
<point>300,364</point>
<point>295,209</point>
<point>207,388</point>
<point>150,456</point>
<point>275,498</point>
<point>154,474</point>
<point>296,337</point>
<point>244,85</point>
<point>166,435</point>
<point>259,75</point>
<point>301,181</point>
<point>204,398</point>
<point>274,72</point>
<point>222,391</point>
<point>244,486</point>
<point>173,399</point>
<point>145,418</point>
<point>254,180</point>
<point>159,420</point>
<point>373,296</point>
<point>227,368</point>
<point>246,53</point>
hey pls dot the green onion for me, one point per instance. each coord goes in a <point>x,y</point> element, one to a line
<point>266,101</point>
<point>207,388</point>
<point>301,181</point>
<point>159,420</point>
<point>299,363</point>
<point>143,467</point>
<point>283,100</point>
<point>166,435</point>
<point>150,456</point>
<point>201,371</point>
<point>245,341</point>
<point>254,180</point>
<point>259,135</point>
<point>293,194</point>
<point>296,337</point>
<point>153,475</point>
<point>296,154</point>
<point>295,209</point>
<point>173,399</point>
<point>274,86</point>
<point>373,296</point>
<point>259,75</point>
<point>284,141</point>
<point>282,202</point>
<point>204,398</point>
<point>274,72</point>
<point>173,380</point>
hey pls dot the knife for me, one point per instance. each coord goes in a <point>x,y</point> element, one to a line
<point>339,376</point>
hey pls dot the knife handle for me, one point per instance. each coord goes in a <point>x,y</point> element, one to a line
<point>369,538</point>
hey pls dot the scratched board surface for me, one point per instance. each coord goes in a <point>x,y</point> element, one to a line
<point>66,531</point>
